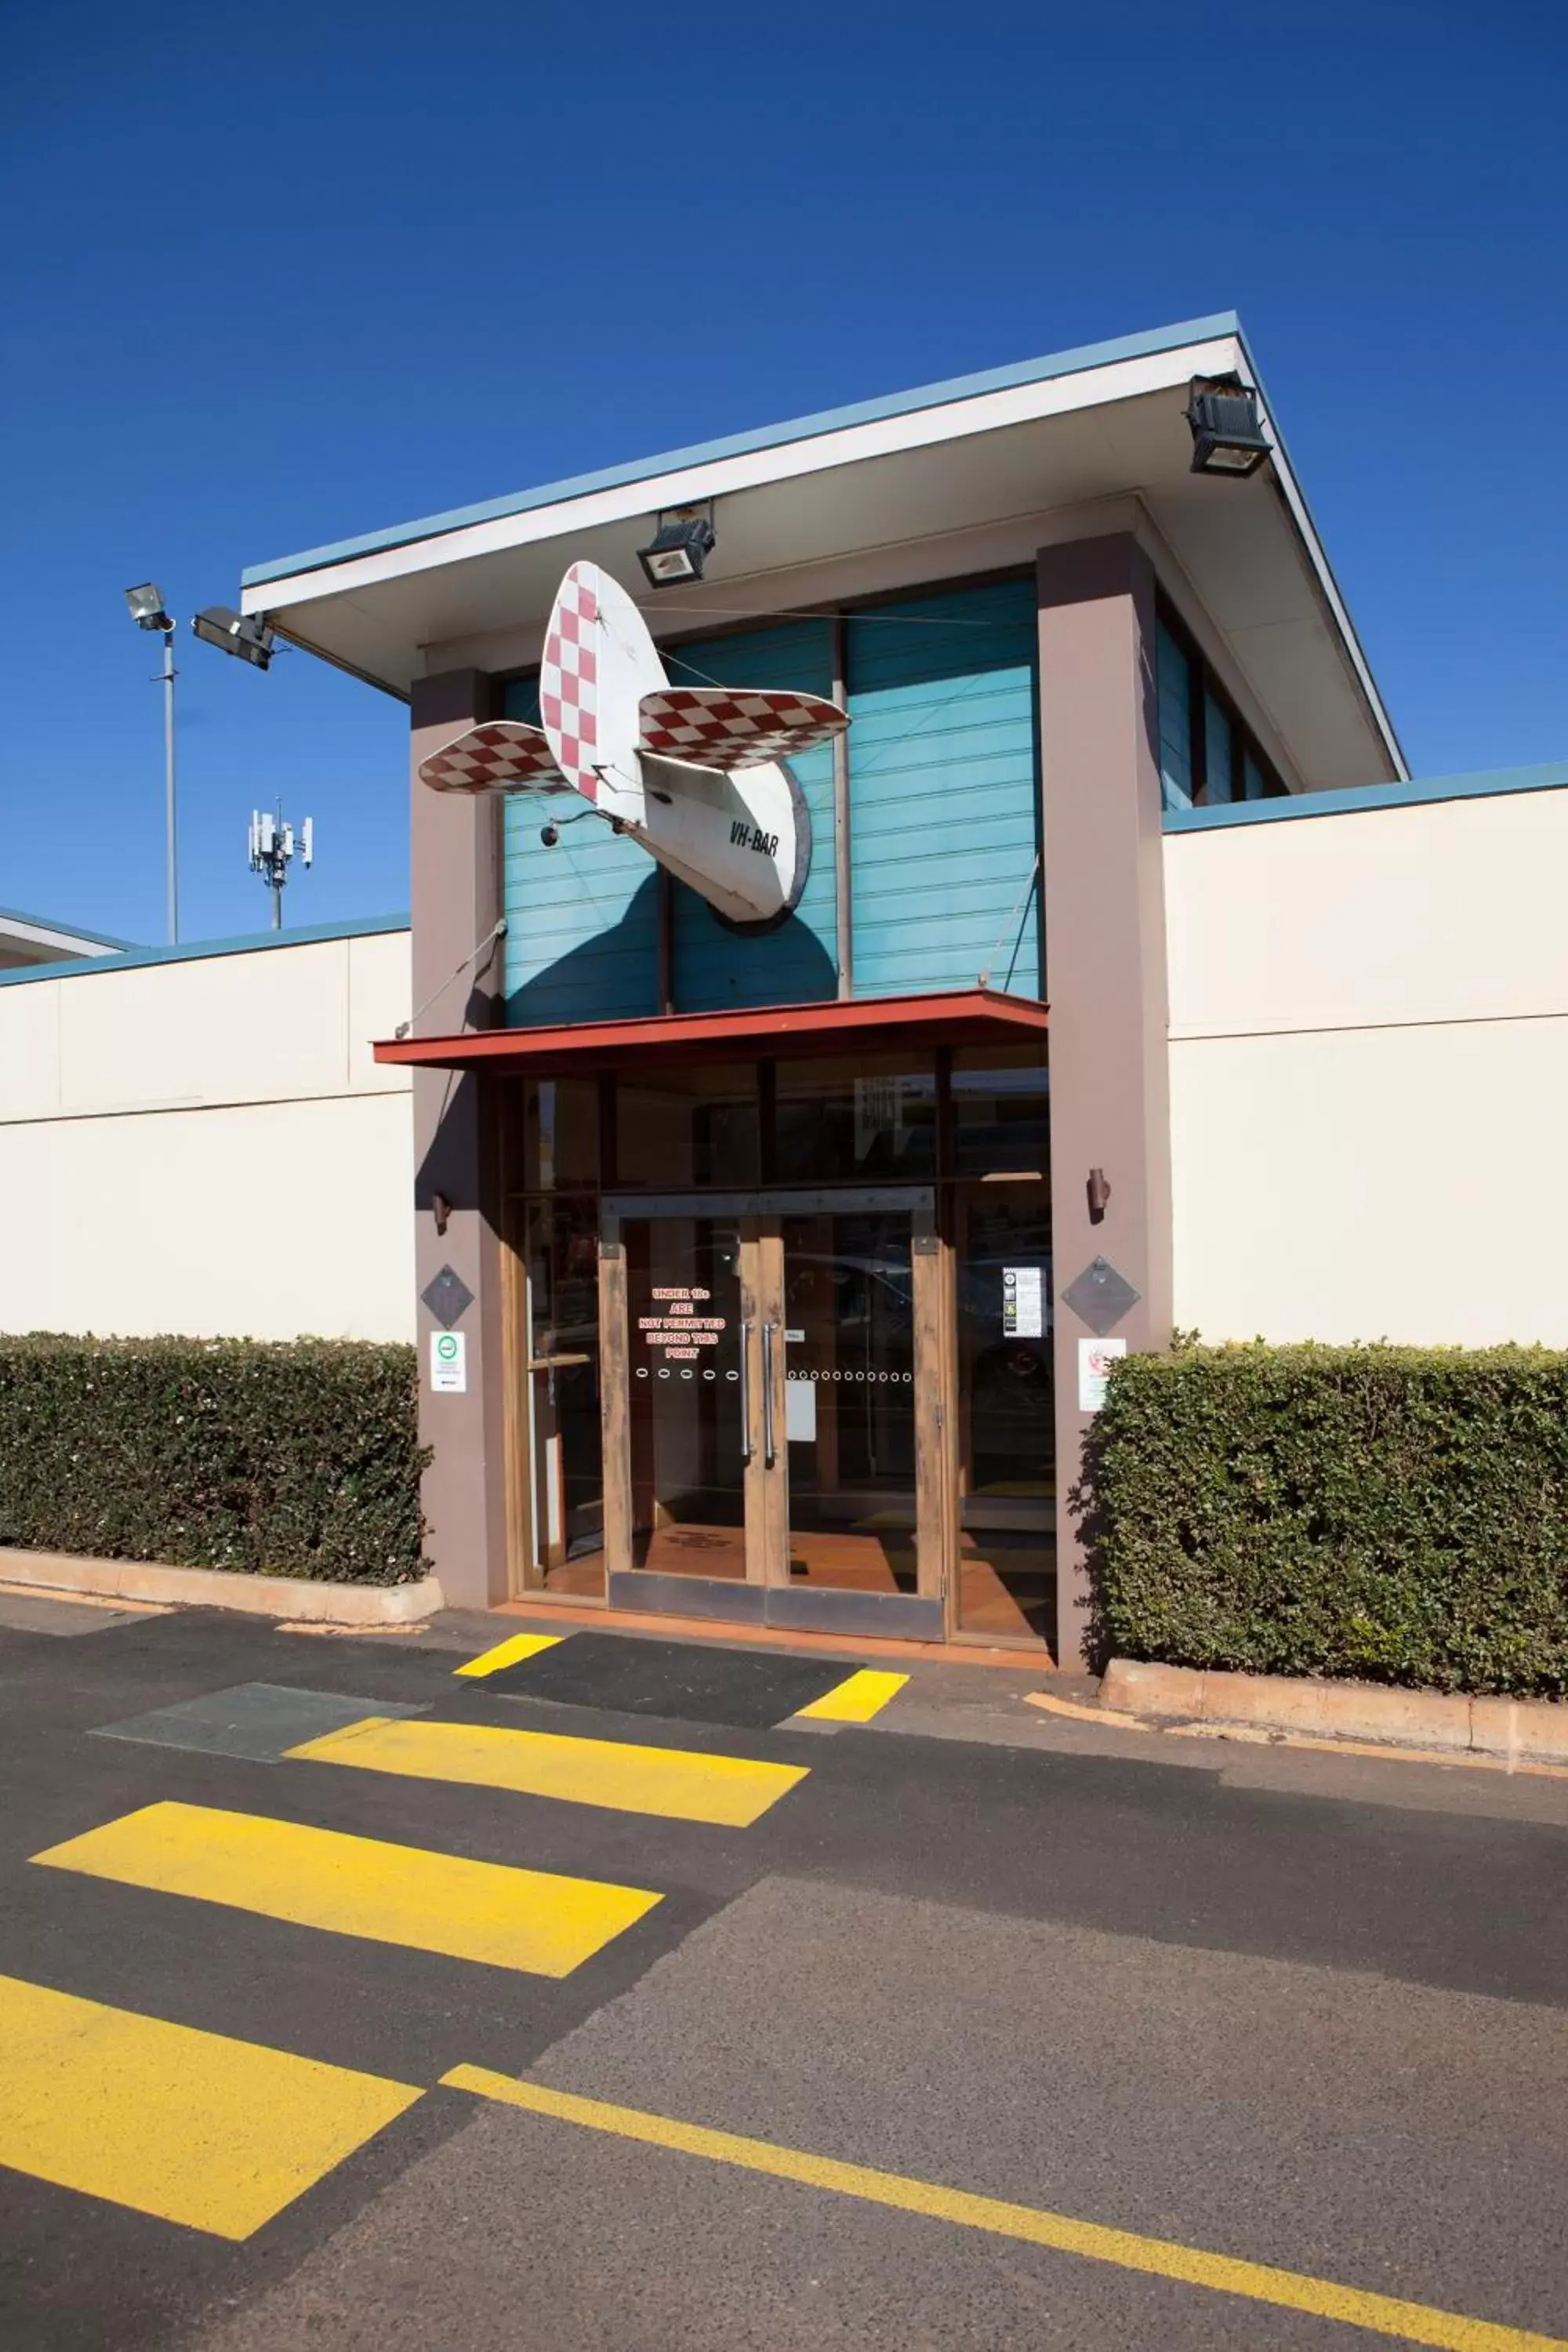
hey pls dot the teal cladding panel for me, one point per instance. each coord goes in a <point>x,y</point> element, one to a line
<point>712,965</point>
<point>943,792</point>
<point>1216,752</point>
<point>1175,686</point>
<point>582,941</point>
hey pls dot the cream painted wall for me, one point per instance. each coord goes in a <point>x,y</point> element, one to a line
<point>206,1147</point>
<point>1369,1073</point>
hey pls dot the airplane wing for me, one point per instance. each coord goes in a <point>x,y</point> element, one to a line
<point>723,727</point>
<point>503,756</point>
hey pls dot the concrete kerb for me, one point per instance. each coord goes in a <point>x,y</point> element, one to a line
<point>302,1599</point>
<point>1526,1730</point>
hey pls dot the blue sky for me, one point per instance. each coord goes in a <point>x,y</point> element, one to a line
<point>274,276</point>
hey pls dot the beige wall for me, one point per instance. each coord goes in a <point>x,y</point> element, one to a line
<point>208,1147</point>
<point>1369,1073</point>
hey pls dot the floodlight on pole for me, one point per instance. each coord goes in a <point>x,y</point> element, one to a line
<point>147,609</point>
<point>146,606</point>
<point>246,635</point>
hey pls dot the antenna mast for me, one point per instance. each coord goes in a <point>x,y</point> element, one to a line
<point>272,846</point>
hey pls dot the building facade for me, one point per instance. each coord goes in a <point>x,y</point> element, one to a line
<point>784,1262</point>
<point>199,1141</point>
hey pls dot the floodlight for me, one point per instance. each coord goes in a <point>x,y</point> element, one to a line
<point>146,604</point>
<point>248,637</point>
<point>679,547</point>
<point>1227,433</point>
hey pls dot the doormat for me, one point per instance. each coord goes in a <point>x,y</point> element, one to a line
<point>689,1682</point>
<point>257,1721</point>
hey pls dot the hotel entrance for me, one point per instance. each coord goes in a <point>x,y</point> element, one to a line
<point>774,1423</point>
<point>781,1337</point>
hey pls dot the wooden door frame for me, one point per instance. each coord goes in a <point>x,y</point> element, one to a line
<point>767,1595</point>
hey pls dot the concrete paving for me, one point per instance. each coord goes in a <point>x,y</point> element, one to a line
<point>1306,2011</point>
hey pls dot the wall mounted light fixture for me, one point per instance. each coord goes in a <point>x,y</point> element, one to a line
<point>441,1209</point>
<point>680,546</point>
<point>1098,1192</point>
<point>1227,431</point>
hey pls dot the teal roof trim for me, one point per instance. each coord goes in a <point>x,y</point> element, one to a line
<point>742,445</point>
<point>309,935</point>
<point>1550,777</point>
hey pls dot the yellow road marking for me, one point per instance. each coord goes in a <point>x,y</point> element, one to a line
<point>856,1699</point>
<point>507,1653</point>
<point>488,1911</point>
<point>1383,2314</point>
<point>678,1782</point>
<point>188,2125</point>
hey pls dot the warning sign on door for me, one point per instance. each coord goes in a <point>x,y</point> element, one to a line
<point>678,1327</point>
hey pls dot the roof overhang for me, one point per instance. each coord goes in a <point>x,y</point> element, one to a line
<point>956,477</point>
<point>975,1016</point>
<point>33,938</point>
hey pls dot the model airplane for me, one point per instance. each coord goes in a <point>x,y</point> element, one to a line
<point>692,774</point>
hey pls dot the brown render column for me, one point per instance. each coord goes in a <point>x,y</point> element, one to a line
<point>454,860</point>
<point>1105,972</point>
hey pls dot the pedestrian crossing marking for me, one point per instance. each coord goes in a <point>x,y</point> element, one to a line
<point>492,1912</point>
<point>680,1783</point>
<point>508,1654</point>
<point>187,2126</point>
<point>857,1698</point>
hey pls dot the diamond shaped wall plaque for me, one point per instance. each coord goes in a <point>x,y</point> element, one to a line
<point>447,1297</point>
<point>1100,1296</point>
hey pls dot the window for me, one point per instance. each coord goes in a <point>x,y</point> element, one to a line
<point>1206,755</point>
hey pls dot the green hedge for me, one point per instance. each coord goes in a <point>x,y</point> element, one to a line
<point>296,1460</point>
<point>1397,1514</point>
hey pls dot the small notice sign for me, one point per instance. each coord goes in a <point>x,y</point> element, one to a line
<point>1023,1302</point>
<point>1095,1357</point>
<point>678,1325</point>
<point>448,1362</point>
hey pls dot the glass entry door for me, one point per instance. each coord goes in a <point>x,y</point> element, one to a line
<point>773,1432</point>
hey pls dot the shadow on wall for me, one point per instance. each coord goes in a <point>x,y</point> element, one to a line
<point>614,975</point>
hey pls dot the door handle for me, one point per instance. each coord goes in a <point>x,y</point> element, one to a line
<point>747,1448</point>
<point>769,1454</point>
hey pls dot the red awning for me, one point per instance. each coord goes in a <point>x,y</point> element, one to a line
<point>973,1017</point>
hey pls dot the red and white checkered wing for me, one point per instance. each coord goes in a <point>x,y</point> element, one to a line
<point>723,727</point>
<point>502,756</point>
<point>569,679</point>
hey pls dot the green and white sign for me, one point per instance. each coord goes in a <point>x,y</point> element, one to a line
<point>448,1362</point>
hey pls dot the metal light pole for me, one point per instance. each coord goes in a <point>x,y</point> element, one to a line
<point>170,852</point>
<point>148,612</point>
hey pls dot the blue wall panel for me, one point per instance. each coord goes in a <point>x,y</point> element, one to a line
<point>714,966</point>
<point>1173,673</point>
<point>943,792</point>
<point>582,919</point>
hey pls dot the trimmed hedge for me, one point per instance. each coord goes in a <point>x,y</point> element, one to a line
<point>1397,1514</point>
<point>293,1460</point>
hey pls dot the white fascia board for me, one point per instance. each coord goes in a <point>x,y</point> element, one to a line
<point>883,437</point>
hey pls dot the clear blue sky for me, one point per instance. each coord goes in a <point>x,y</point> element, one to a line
<point>278,275</point>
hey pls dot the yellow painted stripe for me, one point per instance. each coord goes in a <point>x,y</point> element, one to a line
<point>856,1699</point>
<point>488,1911</point>
<point>507,1653</point>
<point>676,1782</point>
<point>1383,2314</point>
<point>190,2126</point>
